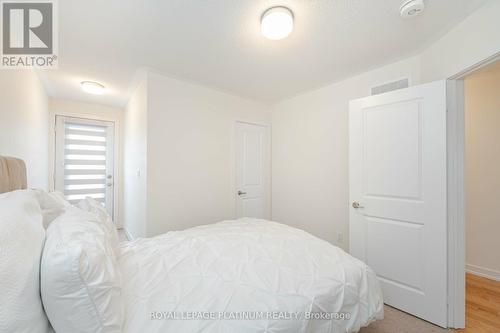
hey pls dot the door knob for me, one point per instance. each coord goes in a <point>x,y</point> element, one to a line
<point>241,193</point>
<point>356,205</point>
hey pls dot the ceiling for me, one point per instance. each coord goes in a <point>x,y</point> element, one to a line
<point>217,43</point>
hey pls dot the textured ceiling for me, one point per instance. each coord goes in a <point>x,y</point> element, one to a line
<point>217,43</point>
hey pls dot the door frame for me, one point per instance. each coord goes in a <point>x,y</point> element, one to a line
<point>455,123</point>
<point>234,185</point>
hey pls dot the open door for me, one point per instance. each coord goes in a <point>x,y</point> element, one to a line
<point>398,212</point>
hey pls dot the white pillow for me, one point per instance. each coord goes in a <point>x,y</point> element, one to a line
<point>93,206</point>
<point>21,243</point>
<point>53,204</point>
<point>80,277</point>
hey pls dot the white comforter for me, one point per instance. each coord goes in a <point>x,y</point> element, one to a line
<point>246,275</point>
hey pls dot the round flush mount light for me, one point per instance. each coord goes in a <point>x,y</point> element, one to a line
<point>92,87</point>
<point>412,8</point>
<point>276,23</point>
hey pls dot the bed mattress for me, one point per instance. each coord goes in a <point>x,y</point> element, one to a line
<point>246,275</point>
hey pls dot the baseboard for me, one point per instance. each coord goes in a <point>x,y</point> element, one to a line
<point>483,272</point>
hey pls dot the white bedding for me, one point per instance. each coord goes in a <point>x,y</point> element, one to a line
<point>206,279</point>
<point>21,244</point>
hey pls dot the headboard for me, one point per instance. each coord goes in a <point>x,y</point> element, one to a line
<point>12,174</point>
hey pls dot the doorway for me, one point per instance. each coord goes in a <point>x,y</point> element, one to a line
<point>482,198</point>
<point>84,160</point>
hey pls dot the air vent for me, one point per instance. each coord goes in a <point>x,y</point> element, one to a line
<point>390,87</point>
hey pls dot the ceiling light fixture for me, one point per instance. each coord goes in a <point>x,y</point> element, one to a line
<point>276,23</point>
<point>91,87</point>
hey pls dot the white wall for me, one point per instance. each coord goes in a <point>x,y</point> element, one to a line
<point>310,137</point>
<point>190,153</point>
<point>24,122</point>
<point>473,40</point>
<point>188,136</point>
<point>135,161</point>
<point>69,108</point>
<point>482,172</point>
<point>310,152</point>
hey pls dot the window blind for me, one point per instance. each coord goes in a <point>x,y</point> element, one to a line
<point>84,162</point>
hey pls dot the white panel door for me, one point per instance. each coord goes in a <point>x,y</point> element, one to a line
<point>398,195</point>
<point>252,171</point>
<point>84,160</point>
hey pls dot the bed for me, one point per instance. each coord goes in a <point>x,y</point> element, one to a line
<point>244,275</point>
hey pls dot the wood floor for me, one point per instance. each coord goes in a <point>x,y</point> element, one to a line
<point>482,305</point>
<point>482,313</point>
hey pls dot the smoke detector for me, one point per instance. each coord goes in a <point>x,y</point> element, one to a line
<point>412,8</point>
